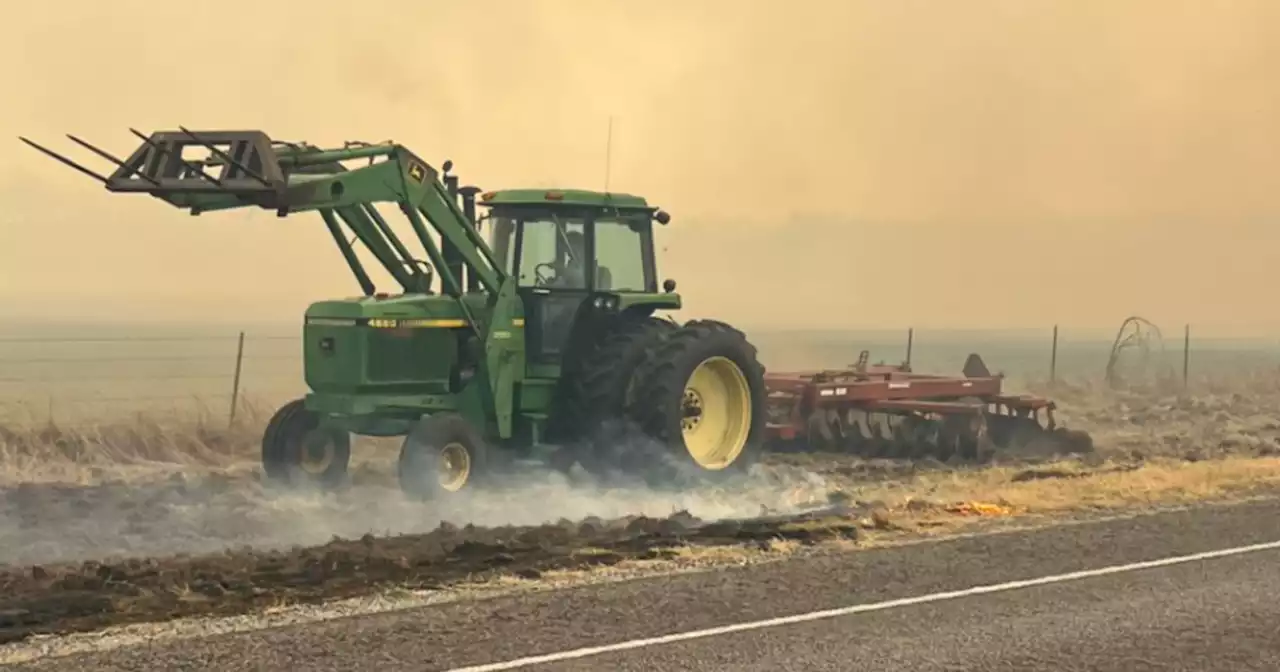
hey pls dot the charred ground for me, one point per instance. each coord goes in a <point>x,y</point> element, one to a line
<point>80,596</point>
<point>211,539</point>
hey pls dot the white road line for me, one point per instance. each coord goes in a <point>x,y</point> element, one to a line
<point>862,608</point>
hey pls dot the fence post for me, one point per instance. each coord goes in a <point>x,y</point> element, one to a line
<point>235,382</point>
<point>1186,354</point>
<point>911,333</point>
<point>1053,358</point>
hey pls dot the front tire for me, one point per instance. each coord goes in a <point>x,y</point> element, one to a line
<point>701,394</point>
<point>297,450</point>
<point>443,456</point>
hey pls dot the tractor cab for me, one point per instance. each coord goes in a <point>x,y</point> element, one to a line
<point>576,256</point>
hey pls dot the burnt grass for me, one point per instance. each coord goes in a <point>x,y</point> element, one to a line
<point>70,597</point>
<point>61,595</point>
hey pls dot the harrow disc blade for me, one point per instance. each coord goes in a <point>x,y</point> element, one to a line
<point>826,431</point>
<point>1026,438</point>
<point>963,438</point>
<point>955,438</point>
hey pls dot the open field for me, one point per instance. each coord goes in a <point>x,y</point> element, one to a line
<point>146,516</point>
<point>82,373</point>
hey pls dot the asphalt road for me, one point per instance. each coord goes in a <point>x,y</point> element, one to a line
<point>1208,614</point>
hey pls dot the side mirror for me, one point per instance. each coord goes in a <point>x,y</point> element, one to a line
<point>668,285</point>
<point>662,217</point>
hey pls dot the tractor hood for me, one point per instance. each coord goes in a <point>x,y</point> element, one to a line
<point>403,307</point>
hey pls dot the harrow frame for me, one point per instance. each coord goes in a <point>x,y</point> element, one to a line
<point>890,411</point>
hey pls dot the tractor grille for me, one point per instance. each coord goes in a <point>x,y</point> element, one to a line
<point>409,355</point>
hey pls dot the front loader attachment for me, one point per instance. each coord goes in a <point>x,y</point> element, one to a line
<point>242,165</point>
<point>218,170</point>
<point>202,171</point>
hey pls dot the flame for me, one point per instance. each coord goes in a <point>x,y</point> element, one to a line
<point>980,509</point>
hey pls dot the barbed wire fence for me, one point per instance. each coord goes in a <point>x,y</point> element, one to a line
<point>52,377</point>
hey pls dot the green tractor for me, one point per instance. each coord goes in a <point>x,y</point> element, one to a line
<point>542,343</point>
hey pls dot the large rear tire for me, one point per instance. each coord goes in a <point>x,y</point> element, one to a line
<point>443,456</point>
<point>701,394</point>
<point>298,451</point>
<point>604,388</point>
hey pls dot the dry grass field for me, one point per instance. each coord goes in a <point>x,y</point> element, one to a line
<point>153,513</point>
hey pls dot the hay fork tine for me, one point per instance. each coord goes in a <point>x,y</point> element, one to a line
<point>65,161</point>
<point>113,159</point>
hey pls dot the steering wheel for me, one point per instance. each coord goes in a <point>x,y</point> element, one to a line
<point>541,280</point>
<point>428,273</point>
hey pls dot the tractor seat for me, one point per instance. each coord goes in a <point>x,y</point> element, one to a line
<point>604,278</point>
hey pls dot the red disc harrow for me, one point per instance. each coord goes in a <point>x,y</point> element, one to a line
<point>888,411</point>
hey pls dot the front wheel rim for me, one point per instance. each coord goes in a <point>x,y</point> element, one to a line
<point>454,467</point>
<point>317,452</point>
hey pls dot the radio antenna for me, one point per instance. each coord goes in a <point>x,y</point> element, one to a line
<point>608,155</point>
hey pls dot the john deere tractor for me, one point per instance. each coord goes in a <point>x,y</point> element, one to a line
<point>542,342</point>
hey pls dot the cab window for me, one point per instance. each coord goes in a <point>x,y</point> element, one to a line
<point>553,254</point>
<point>620,255</point>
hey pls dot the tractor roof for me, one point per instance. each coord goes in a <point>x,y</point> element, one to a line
<point>579,197</point>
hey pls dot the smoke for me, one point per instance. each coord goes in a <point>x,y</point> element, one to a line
<point>836,149</point>
<point>215,512</point>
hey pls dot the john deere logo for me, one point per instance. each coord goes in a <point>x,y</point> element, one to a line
<point>417,172</point>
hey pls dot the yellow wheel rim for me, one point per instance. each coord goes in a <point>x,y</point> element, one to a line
<point>454,466</point>
<point>318,453</point>
<point>717,413</point>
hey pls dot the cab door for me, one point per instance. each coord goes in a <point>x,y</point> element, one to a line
<point>552,295</point>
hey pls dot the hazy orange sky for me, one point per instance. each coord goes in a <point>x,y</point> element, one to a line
<point>827,164</point>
